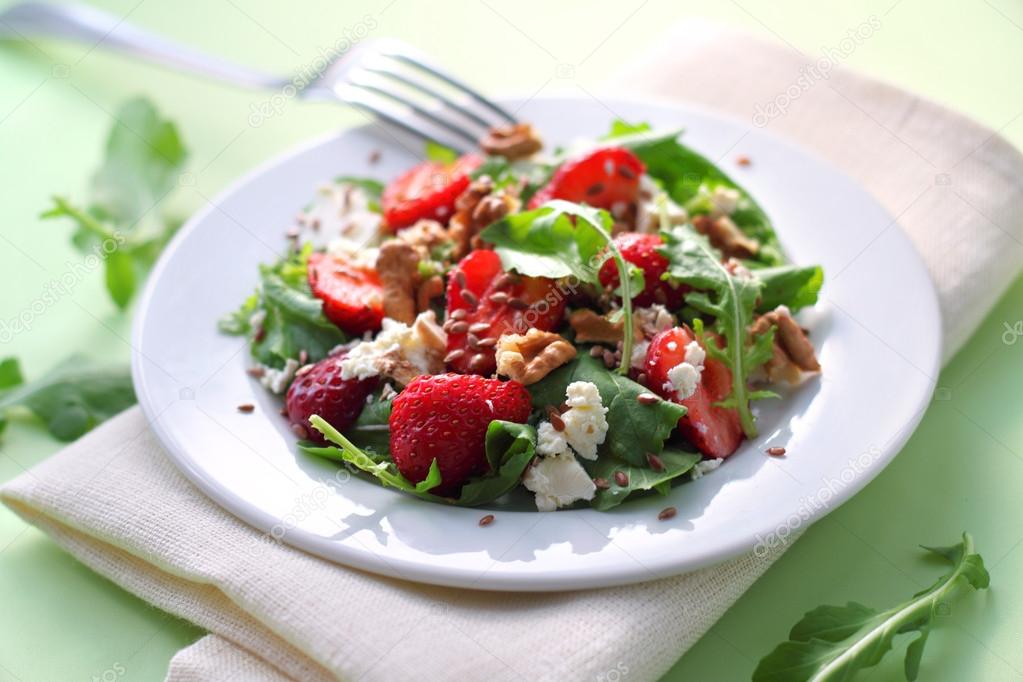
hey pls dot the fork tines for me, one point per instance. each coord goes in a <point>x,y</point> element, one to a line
<point>403,87</point>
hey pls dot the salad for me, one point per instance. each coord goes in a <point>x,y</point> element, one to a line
<point>588,324</point>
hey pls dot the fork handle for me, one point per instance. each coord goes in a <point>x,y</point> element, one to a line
<point>90,25</point>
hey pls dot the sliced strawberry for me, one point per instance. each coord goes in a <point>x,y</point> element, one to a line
<point>444,417</point>
<point>428,190</point>
<point>351,293</point>
<point>485,302</point>
<point>601,178</point>
<point>641,251</point>
<point>715,431</point>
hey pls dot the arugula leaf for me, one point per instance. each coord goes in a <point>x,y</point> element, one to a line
<point>563,239</point>
<point>641,478</point>
<point>373,188</point>
<point>689,178</point>
<point>730,300</point>
<point>371,431</point>
<point>794,286</point>
<point>634,429</point>
<point>531,174</point>
<point>510,448</point>
<point>72,398</point>
<point>834,642</point>
<point>122,222</point>
<point>10,373</point>
<point>292,318</point>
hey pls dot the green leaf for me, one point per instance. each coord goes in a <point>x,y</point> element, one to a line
<point>73,397</point>
<point>689,178</point>
<point>832,643</point>
<point>371,431</point>
<point>293,318</point>
<point>563,239</point>
<point>640,478</point>
<point>122,222</point>
<point>10,373</point>
<point>730,301</point>
<point>509,449</point>
<point>120,277</point>
<point>438,153</point>
<point>634,428</point>
<point>794,286</point>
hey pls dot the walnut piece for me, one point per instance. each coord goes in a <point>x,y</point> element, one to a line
<point>477,207</point>
<point>396,366</point>
<point>398,266</point>
<point>529,357</point>
<point>726,236</point>
<point>513,141</point>
<point>424,236</point>
<point>431,288</point>
<point>591,327</point>
<point>793,353</point>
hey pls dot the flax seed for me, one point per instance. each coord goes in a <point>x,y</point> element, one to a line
<point>459,327</point>
<point>743,160</point>
<point>621,478</point>
<point>641,378</point>
<point>453,355</point>
<point>647,399</point>
<point>374,156</point>
<point>246,408</point>
<point>499,297</point>
<point>472,340</point>
<point>595,189</point>
<point>776,451</point>
<point>256,372</point>
<point>487,342</point>
<point>487,520</point>
<point>667,513</point>
<point>478,362</point>
<point>517,303</point>
<point>506,280</point>
<point>460,278</point>
<point>556,421</point>
<point>609,359</point>
<point>479,327</point>
<point>596,351</point>
<point>470,298</point>
<point>601,483</point>
<point>459,314</point>
<point>626,172</point>
<point>300,431</point>
<point>292,232</point>
<point>655,462</point>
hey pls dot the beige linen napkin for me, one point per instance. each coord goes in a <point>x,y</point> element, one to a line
<point>115,502</point>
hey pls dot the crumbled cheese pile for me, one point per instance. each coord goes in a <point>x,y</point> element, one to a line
<point>684,378</point>
<point>557,478</point>
<point>341,211</point>
<point>396,339</point>
<point>704,466</point>
<point>277,380</point>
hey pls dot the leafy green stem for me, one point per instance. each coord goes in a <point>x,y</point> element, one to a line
<point>626,289</point>
<point>86,221</point>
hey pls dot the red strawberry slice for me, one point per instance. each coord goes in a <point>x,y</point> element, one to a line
<point>715,431</point>
<point>445,417</point>
<point>428,190</point>
<point>601,178</point>
<point>485,302</point>
<point>351,293</point>
<point>641,251</point>
<point>321,390</point>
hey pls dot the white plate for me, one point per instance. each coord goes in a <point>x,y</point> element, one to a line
<point>876,330</point>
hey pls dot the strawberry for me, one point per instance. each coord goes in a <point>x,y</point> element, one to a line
<point>351,293</point>
<point>428,190</point>
<point>715,431</point>
<point>601,178</point>
<point>321,390</point>
<point>485,302</point>
<point>641,251</point>
<point>445,417</point>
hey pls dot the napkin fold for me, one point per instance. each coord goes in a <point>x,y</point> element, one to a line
<point>115,501</point>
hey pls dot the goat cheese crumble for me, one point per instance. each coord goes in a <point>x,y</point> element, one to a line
<point>585,420</point>
<point>684,378</point>
<point>704,466</point>
<point>395,337</point>
<point>277,380</point>
<point>558,481</point>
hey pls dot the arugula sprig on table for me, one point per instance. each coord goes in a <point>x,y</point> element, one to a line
<point>123,222</point>
<point>509,448</point>
<point>564,239</point>
<point>832,643</point>
<point>72,398</point>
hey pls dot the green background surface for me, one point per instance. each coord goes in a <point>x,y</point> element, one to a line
<point>961,470</point>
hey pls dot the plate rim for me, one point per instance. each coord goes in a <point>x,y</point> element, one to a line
<point>554,580</point>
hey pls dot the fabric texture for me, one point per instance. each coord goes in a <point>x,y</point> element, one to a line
<point>115,501</point>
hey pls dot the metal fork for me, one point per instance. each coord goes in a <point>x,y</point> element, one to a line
<point>386,78</point>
